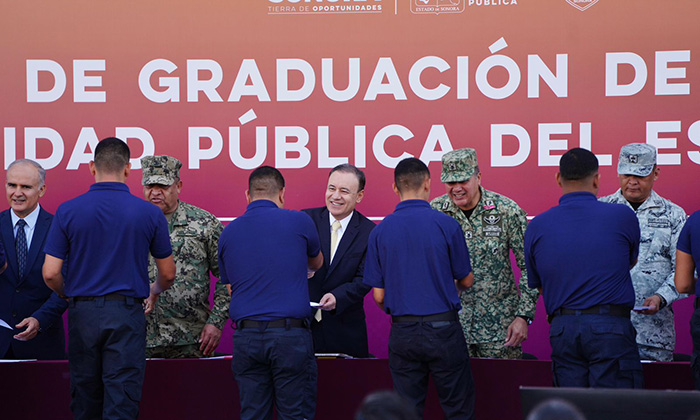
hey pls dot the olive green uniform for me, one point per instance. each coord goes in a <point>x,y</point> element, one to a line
<point>496,226</point>
<point>175,325</point>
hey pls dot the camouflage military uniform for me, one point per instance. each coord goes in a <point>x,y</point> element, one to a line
<point>496,226</point>
<point>660,222</point>
<point>175,325</point>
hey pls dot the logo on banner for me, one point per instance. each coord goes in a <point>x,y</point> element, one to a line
<point>437,6</point>
<point>582,5</point>
<point>323,7</point>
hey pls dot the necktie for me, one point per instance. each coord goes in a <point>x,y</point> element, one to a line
<point>21,247</point>
<point>334,245</point>
<point>334,237</point>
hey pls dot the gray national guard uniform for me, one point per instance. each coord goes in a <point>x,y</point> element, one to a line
<point>496,227</point>
<point>660,222</point>
<point>180,314</point>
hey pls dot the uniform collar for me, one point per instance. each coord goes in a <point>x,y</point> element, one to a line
<point>179,217</point>
<point>104,186</point>
<point>412,204</point>
<point>577,196</point>
<point>654,200</point>
<point>486,202</point>
<point>260,204</point>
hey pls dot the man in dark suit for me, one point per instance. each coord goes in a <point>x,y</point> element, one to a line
<point>26,304</point>
<point>339,326</point>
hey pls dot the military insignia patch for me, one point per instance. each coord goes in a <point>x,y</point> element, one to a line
<point>634,158</point>
<point>492,225</point>
<point>492,219</point>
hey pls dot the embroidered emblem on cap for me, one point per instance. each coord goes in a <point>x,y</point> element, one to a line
<point>634,158</point>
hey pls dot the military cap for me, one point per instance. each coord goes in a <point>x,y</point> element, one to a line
<point>163,170</point>
<point>636,159</point>
<point>458,165</point>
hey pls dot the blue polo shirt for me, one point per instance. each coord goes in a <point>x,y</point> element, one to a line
<point>264,256</point>
<point>689,242</point>
<point>415,254</point>
<point>107,234</point>
<point>580,253</point>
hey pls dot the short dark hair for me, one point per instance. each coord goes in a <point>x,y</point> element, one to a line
<point>265,181</point>
<point>410,174</point>
<point>111,155</point>
<point>351,169</point>
<point>578,164</point>
<point>386,405</point>
<point>555,409</point>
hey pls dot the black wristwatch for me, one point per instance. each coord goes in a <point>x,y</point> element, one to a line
<point>526,318</point>
<point>663,301</point>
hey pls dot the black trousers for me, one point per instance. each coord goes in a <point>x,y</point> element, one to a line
<point>107,358</point>
<point>275,366</point>
<point>695,333</point>
<point>417,349</point>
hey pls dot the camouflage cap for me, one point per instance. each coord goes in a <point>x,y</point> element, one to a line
<point>458,165</point>
<point>636,159</point>
<point>163,170</point>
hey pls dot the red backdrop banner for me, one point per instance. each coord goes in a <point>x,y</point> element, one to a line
<point>303,85</point>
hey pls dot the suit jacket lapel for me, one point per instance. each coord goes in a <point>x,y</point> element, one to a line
<point>324,234</point>
<point>346,240</point>
<point>40,231</point>
<point>8,238</point>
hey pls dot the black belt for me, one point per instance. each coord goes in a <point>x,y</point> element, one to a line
<point>444,316</point>
<point>614,310</point>
<point>110,297</point>
<point>280,323</point>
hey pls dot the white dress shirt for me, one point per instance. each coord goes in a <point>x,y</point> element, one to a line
<point>29,227</point>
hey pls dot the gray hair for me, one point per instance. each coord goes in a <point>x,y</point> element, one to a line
<point>36,165</point>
